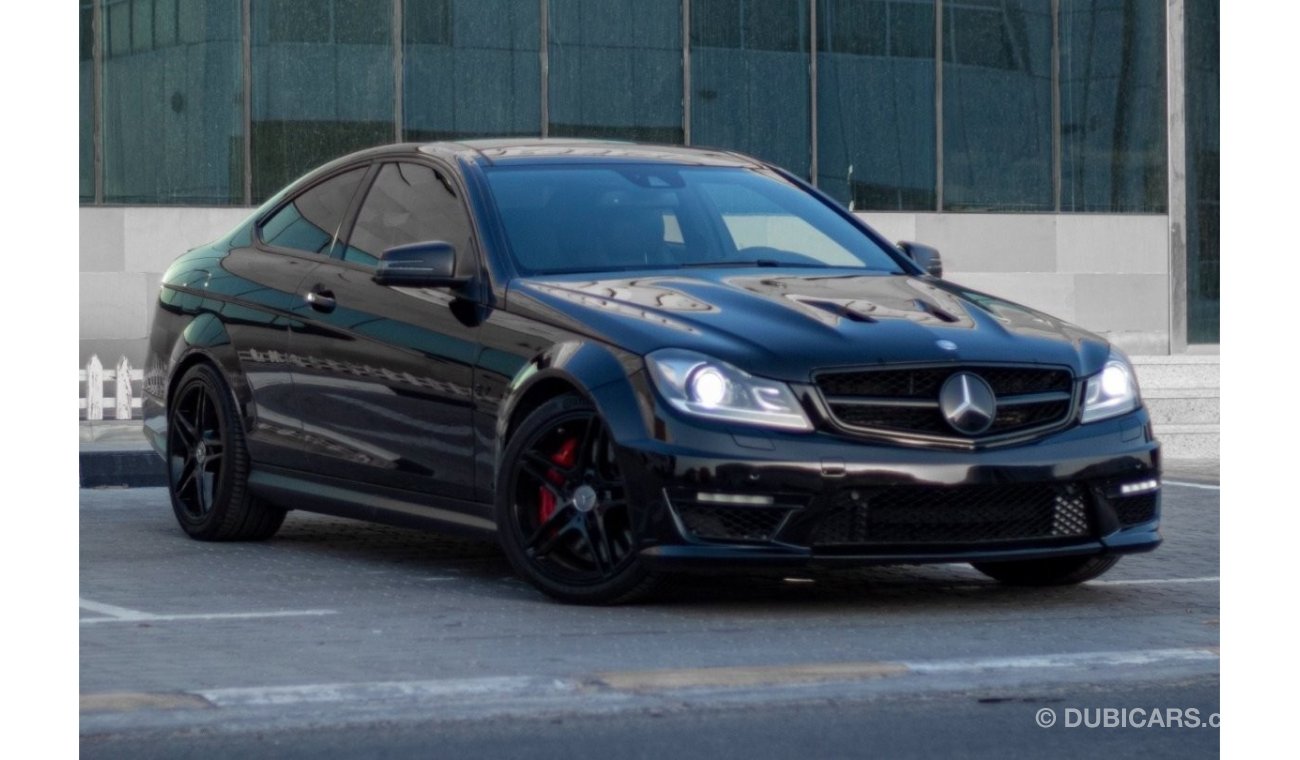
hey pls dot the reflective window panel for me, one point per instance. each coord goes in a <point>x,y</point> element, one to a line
<point>616,69</point>
<point>172,125</point>
<point>408,203</point>
<point>875,103</point>
<point>471,68</point>
<point>310,221</point>
<point>749,79</point>
<point>86,104</point>
<point>322,84</point>
<point>997,105</point>
<point>1202,41</point>
<point>1113,106</point>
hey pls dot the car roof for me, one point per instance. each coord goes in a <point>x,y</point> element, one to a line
<point>570,150</point>
<point>534,150</point>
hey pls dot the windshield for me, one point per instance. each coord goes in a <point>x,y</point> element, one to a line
<point>593,218</point>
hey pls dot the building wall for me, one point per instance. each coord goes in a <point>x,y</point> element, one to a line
<point>124,251</point>
<point>1105,272</point>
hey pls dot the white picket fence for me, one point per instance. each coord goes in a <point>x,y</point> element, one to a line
<point>123,382</point>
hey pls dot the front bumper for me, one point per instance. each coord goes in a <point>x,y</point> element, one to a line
<point>751,499</point>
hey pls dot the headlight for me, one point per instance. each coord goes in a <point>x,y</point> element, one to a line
<point>705,387</point>
<point>1111,392</point>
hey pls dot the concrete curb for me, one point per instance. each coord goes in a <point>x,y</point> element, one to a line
<point>244,709</point>
<point>130,469</point>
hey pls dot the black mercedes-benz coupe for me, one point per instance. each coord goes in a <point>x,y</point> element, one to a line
<point>627,361</point>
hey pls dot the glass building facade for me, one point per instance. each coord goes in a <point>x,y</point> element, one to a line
<point>1045,106</point>
<point>170,76</point>
<point>1202,40</point>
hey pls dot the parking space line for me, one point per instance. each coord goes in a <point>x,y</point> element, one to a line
<point>1185,484</point>
<point>114,614</point>
<point>128,701</point>
<point>459,688</point>
<point>1066,660</point>
<point>1155,581</point>
<point>112,611</point>
<point>213,616</point>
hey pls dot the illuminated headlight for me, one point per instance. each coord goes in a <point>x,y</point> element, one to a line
<point>708,386</point>
<point>705,387</point>
<point>1111,392</point>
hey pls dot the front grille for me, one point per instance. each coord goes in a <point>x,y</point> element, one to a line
<point>953,515</point>
<point>1133,510</point>
<point>907,419</point>
<point>708,522</point>
<point>1030,415</point>
<point>906,401</point>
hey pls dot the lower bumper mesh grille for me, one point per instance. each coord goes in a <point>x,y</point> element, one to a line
<point>1133,510</point>
<point>714,523</point>
<point>957,515</point>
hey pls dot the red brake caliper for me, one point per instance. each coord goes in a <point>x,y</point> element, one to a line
<point>563,458</point>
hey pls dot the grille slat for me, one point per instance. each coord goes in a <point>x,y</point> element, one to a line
<point>1029,415</point>
<point>956,515</point>
<point>902,419</point>
<point>905,401</point>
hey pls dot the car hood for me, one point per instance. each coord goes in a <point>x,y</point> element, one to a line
<point>788,323</point>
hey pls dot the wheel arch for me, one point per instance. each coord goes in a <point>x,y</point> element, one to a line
<point>605,377</point>
<point>538,392</point>
<point>205,341</point>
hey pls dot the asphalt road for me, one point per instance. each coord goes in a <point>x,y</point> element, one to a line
<point>339,639</point>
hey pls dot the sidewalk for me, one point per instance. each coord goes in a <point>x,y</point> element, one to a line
<point>117,454</point>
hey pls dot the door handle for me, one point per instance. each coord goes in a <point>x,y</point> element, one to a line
<point>321,299</point>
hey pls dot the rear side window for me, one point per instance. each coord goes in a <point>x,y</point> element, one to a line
<point>408,203</point>
<point>311,220</point>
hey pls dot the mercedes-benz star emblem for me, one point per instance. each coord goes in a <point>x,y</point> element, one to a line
<point>968,403</point>
<point>584,498</point>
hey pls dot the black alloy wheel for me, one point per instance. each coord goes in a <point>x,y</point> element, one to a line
<point>563,512</point>
<point>207,464</point>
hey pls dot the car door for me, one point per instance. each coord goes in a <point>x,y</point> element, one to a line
<point>384,374</point>
<point>259,282</point>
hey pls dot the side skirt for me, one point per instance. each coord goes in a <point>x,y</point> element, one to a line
<point>330,496</point>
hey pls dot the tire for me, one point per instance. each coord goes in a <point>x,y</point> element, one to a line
<point>207,464</point>
<point>1060,571</point>
<point>562,511</point>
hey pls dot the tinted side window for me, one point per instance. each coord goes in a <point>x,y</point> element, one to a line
<point>409,203</point>
<point>310,221</point>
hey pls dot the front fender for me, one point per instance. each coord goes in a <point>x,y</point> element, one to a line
<point>604,375</point>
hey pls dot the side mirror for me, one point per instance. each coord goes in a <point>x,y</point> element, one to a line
<point>925,257</point>
<point>419,265</point>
